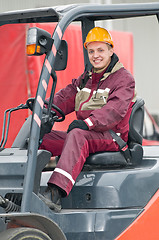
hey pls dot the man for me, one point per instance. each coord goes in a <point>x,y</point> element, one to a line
<point>102,99</point>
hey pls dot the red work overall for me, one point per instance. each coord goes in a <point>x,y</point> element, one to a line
<point>103,103</point>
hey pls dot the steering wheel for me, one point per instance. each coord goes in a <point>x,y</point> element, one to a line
<point>55,117</point>
<point>30,105</point>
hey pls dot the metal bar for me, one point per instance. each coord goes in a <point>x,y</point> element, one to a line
<point>86,26</point>
<point>54,77</point>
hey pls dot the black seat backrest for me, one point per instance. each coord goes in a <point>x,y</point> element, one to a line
<point>136,122</point>
<point>134,142</point>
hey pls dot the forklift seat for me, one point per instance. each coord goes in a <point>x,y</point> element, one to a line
<point>134,142</point>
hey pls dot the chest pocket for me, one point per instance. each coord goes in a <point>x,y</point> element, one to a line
<point>98,100</point>
<point>81,97</point>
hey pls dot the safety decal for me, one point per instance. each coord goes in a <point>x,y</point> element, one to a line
<point>47,64</point>
<point>44,84</point>
<point>40,101</point>
<point>54,50</point>
<point>59,32</point>
<point>37,119</point>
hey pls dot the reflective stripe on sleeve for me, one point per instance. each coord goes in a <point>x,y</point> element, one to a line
<point>89,122</point>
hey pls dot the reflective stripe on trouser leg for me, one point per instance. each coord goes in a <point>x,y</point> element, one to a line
<point>66,174</point>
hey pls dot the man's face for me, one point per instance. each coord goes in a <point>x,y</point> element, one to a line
<point>99,54</point>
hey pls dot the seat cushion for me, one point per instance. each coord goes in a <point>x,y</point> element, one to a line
<point>116,158</point>
<point>106,158</point>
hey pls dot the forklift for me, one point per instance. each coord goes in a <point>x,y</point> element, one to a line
<point>114,197</point>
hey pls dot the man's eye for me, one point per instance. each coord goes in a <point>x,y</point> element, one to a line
<point>100,50</point>
<point>90,52</point>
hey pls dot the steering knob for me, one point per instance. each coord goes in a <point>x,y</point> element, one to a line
<point>30,103</point>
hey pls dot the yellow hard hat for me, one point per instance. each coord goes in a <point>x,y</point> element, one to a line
<point>98,34</point>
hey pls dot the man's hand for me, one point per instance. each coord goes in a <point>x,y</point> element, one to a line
<point>77,124</point>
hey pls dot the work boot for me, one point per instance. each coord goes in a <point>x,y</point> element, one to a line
<point>52,198</point>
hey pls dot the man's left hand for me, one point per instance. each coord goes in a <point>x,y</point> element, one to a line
<point>77,124</point>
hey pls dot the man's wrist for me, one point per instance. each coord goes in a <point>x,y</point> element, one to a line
<point>89,123</point>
